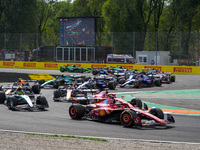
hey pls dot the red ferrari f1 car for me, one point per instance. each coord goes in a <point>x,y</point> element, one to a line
<point>114,109</point>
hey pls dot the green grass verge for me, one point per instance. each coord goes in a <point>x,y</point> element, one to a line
<point>68,136</point>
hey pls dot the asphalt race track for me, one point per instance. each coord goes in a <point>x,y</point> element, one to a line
<point>56,119</point>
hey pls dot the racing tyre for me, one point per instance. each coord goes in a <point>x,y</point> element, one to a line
<point>121,81</point>
<point>41,100</point>
<point>157,112</point>
<point>93,86</point>
<point>57,94</point>
<point>2,97</point>
<point>158,82</point>
<point>12,103</point>
<point>137,102</point>
<point>62,68</point>
<point>1,88</point>
<point>55,85</point>
<point>169,80</point>
<point>76,111</point>
<point>95,72</point>
<point>138,84</point>
<point>128,118</point>
<point>82,70</point>
<point>173,78</point>
<point>36,89</point>
<point>41,81</point>
<point>111,85</point>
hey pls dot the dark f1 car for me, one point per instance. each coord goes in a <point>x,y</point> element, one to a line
<point>141,80</point>
<point>22,99</point>
<point>117,110</point>
<point>25,86</point>
<point>74,68</point>
<point>99,83</point>
<point>70,92</point>
<point>55,83</point>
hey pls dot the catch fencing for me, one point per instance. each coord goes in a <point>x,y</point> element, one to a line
<point>183,46</point>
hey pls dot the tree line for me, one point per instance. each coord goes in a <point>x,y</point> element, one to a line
<point>124,18</point>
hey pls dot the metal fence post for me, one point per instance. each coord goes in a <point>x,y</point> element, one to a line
<point>180,48</point>
<point>134,44</point>
<point>5,41</point>
<point>37,46</point>
<point>20,42</point>
<point>156,46</point>
<point>112,47</point>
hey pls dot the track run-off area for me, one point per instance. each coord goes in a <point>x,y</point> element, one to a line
<point>182,99</point>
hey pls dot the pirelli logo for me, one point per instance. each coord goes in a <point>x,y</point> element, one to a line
<point>100,66</point>
<point>9,64</point>
<point>182,70</point>
<point>155,67</point>
<point>50,65</point>
<point>32,65</point>
<point>127,67</point>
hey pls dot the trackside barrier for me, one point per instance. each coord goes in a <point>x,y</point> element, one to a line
<point>56,65</point>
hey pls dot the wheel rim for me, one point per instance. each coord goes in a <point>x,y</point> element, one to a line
<point>73,111</point>
<point>126,118</point>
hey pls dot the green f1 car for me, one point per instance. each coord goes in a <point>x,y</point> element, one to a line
<point>74,68</point>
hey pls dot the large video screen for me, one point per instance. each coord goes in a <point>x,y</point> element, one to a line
<point>77,31</point>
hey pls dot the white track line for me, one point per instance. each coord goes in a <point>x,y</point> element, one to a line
<point>108,138</point>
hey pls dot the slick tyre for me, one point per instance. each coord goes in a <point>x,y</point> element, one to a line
<point>42,101</point>
<point>121,81</point>
<point>12,103</point>
<point>55,85</point>
<point>76,111</point>
<point>173,78</point>
<point>111,85</point>
<point>36,89</point>
<point>57,94</point>
<point>157,112</point>
<point>158,82</point>
<point>138,84</point>
<point>41,81</point>
<point>136,102</point>
<point>127,118</point>
<point>2,97</point>
<point>95,72</point>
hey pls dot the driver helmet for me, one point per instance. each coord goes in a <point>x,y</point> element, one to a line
<point>62,75</point>
<point>19,90</point>
<point>20,93</point>
<point>21,81</point>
